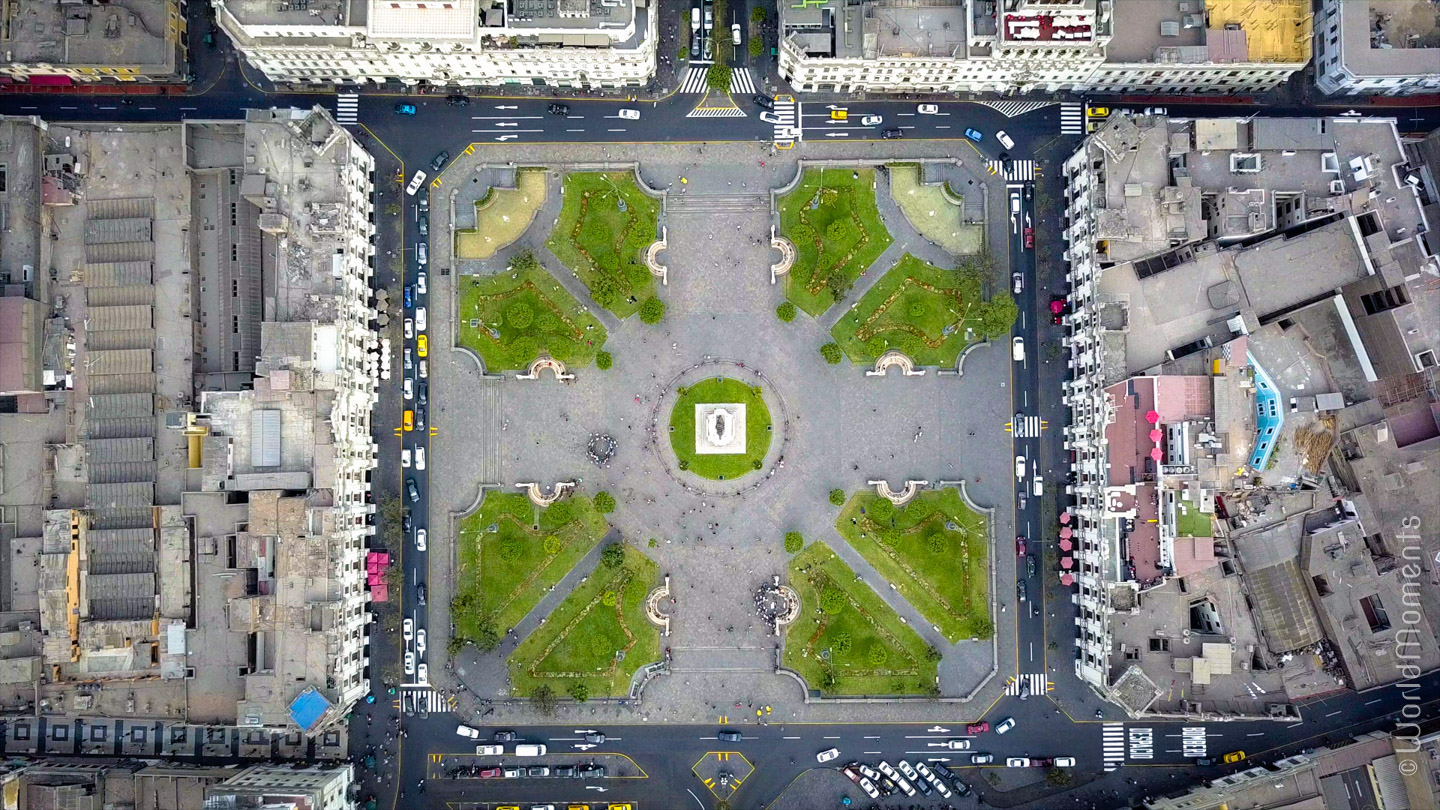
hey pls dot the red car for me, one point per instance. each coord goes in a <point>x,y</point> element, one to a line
<point>1029,238</point>
<point>1020,547</point>
<point>491,773</point>
<point>978,728</point>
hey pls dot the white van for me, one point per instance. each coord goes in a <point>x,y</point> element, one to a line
<point>528,750</point>
<point>1037,490</point>
<point>1017,349</point>
<point>489,750</point>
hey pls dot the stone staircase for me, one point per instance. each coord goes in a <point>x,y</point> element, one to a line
<point>683,204</point>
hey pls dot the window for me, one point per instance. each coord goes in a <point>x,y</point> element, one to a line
<point>1375,613</point>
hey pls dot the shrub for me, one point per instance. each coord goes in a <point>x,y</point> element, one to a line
<point>560,513</point>
<point>832,599</point>
<point>612,556</point>
<point>683,464</point>
<point>837,230</point>
<point>553,545</point>
<point>916,309</point>
<point>519,315</point>
<point>637,275</point>
<point>608,599</point>
<point>794,541</point>
<point>579,691</point>
<point>881,510</point>
<point>878,655</point>
<point>523,349</point>
<point>603,361</point>
<point>652,311</point>
<point>524,261</point>
<point>757,14</point>
<point>842,643</point>
<point>837,497</point>
<point>757,45</point>
<point>653,542</point>
<point>718,78</point>
<point>828,679</point>
<point>684,52</point>
<point>932,653</point>
<point>756,464</point>
<point>604,503</point>
<point>831,352</point>
<point>785,312</point>
<point>511,548</point>
<point>543,696</point>
<point>935,543</point>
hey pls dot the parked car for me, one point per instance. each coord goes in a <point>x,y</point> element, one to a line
<point>1020,597</point>
<point>409,296</point>
<point>1234,756</point>
<point>869,788</point>
<point>537,770</point>
<point>422,345</point>
<point>404,109</point>
<point>421,286</point>
<point>1041,762</point>
<point>907,769</point>
<point>1004,140</point>
<point>727,735</point>
<point>1155,111</point>
<point>407,629</point>
<point>1017,282</point>
<point>827,755</point>
<point>1005,725</point>
<point>974,134</point>
<point>405,458</point>
<point>567,771</point>
<point>420,642</point>
<point>491,773</point>
<point>412,490</point>
<point>1017,762</point>
<point>505,736</point>
<point>409,663</point>
<point>409,386</point>
<point>438,162</point>
<point>422,253</point>
<point>420,540</point>
<point>1019,540</point>
<point>513,773</point>
<point>407,524</point>
<point>422,395</point>
<point>978,728</point>
<point>871,120</point>
<point>1030,566</point>
<point>852,773</point>
<point>1029,236</point>
<point>422,673</point>
<point>457,100</point>
<point>409,331</point>
<point>466,731</point>
<point>1017,351</point>
<point>892,134</point>
<point>928,109</point>
<point>1065,762</point>
<point>422,320</point>
<point>415,183</point>
<point>559,109</point>
<point>489,750</point>
<point>981,759</point>
<point>420,594</point>
<point>592,771</point>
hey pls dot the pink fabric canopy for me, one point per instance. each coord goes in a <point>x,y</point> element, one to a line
<point>1156,453</point>
<point>1155,435</point>
<point>1067,579</point>
<point>1066,545</point>
<point>1152,417</point>
<point>1067,562</point>
<point>1066,532</point>
<point>1064,518</point>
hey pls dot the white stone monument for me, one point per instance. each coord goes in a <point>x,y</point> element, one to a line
<point>719,428</point>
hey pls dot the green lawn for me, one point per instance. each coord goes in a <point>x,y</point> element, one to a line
<point>928,313</point>
<point>1191,522</point>
<point>932,214</point>
<point>604,245</point>
<point>944,573</point>
<point>502,216</point>
<point>863,632</point>
<point>500,303</point>
<point>757,429</point>
<point>579,639</point>
<point>828,260</point>
<point>505,573</point>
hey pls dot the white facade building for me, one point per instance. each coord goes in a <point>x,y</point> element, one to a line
<point>1045,46</point>
<point>317,787</point>
<point>1375,47</point>
<point>454,43</point>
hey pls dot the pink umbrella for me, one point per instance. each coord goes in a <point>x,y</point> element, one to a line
<point>1156,453</point>
<point>1066,532</point>
<point>1152,417</point>
<point>1067,562</point>
<point>1155,435</point>
<point>1064,518</point>
<point>1067,579</point>
<point>1066,545</point>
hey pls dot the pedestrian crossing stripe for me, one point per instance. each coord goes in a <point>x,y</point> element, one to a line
<point>1072,118</point>
<point>1015,171</point>
<point>740,82</point>
<point>347,108</point>
<point>1112,745</point>
<point>1028,427</point>
<point>437,757</point>
<point>694,81</point>
<point>1039,684</point>
<point>716,112</point>
<point>1010,109</point>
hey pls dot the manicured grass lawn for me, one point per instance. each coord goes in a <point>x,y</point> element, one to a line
<point>911,308</point>
<point>556,323</point>
<point>505,573</point>
<point>863,632</point>
<point>944,573</point>
<point>757,429</point>
<point>828,262</point>
<point>1191,522</point>
<point>604,245</point>
<point>932,214</point>
<point>579,639</point>
<point>502,216</point>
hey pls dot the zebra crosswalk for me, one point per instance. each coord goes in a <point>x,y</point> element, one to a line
<point>1039,684</point>
<point>740,82</point>
<point>1010,109</point>
<point>1072,118</point>
<point>787,127</point>
<point>1112,745</point>
<point>427,700</point>
<point>1027,427</point>
<point>716,112</point>
<point>347,108</point>
<point>695,81</point>
<point>1015,171</point>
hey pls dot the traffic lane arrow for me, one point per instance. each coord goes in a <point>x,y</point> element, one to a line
<point>837,134</point>
<point>507,137</point>
<point>506,107</point>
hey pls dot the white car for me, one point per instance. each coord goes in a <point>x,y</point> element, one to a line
<point>1064,762</point>
<point>419,458</point>
<point>904,785</point>
<point>405,459</point>
<point>869,788</point>
<point>1017,349</point>
<point>409,663</point>
<point>1004,140</point>
<point>958,745</point>
<point>872,121</point>
<point>420,641</point>
<point>1006,724</point>
<point>1155,111</point>
<point>422,319</point>
<point>512,773</point>
<point>1017,762</point>
<point>827,755</point>
<point>887,770</point>
<point>409,329</point>
<point>420,538</point>
<point>424,369</point>
<point>409,359</point>
<point>735,34</point>
<point>1019,472</point>
<point>423,675</point>
<point>869,773</point>
<point>1019,281</point>
<point>420,284</point>
<point>489,750</point>
<point>409,388</point>
<point>981,759</point>
<point>422,253</point>
<point>770,117</point>
<point>630,115</point>
<point>928,109</point>
<point>415,183</point>
<point>908,771</point>
<point>466,731</point>
<point>407,629</point>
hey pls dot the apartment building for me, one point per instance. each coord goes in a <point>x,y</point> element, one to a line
<point>1377,47</point>
<point>199,444</point>
<point>1044,46</point>
<point>92,783</point>
<point>1210,262</point>
<point>457,43</point>
<point>48,43</point>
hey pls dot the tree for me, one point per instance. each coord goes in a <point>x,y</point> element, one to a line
<point>454,646</point>
<point>837,497</point>
<point>837,230</point>
<point>757,45</point>
<point>832,599</point>
<point>786,312</point>
<point>519,315</point>
<point>487,637</point>
<point>552,545</point>
<point>881,510</point>
<point>1059,777</point>
<point>794,541</point>
<point>604,502</point>
<point>998,315</point>
<point>603,361</point>
<point>612,556</point>
<point>511,548</point>
<point>524,261</point>
<point>932,653</point>
<point>758,14</point>
<point>652,311</point>
<point>718,77</point>
<point>842,643</point>
<point>580,691</point>
<point>878,655</point>
<point>832,354</point>
<point>543,696</point>
<point>559,513</point>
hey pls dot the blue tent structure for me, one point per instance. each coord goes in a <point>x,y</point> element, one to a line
<point>308,708</point>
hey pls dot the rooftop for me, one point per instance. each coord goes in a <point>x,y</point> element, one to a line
<point>1390,37</point>
<point>1220,31</point>
<point>129,35</point>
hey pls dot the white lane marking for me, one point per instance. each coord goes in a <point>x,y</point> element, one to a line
<point>574,130</point>
<point>1376,700</point>
<point>947,126</point>
<point>876,737</point>
<point>503,131</point>
<point>614,130</point>
<point>1332,714</point>
<point>504,118</point>
<point>829,738</point>
<point>789,738</point>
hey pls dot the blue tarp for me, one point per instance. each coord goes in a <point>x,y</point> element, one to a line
<point>307,709</point>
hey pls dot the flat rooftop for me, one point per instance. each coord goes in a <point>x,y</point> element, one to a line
<point>917,31</point>
<point>304,13</point>
<point>1224,31</point>
<point>1390,37</point>
<point>129,35</point>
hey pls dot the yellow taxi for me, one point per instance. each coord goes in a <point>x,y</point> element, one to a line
<point>1098,112</point>
<point>422,345</point>
<point>839,115</point>
<point>625,806</point>
<point>578,807</point>
<point>1234,756</point>
<point>409,420</point>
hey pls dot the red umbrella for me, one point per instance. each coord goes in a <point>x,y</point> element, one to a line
<point>1067,562</point>
<point>1152,417</point>
<point>1066,545</point>
<point>1066,532</point>
<point>1064,518</point>
<point>1156,453</point>
<point>1155,435</point>
<point>1066,579</point>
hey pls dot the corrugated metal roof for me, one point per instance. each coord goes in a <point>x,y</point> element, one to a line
<point>102,319</point>
<point>134,493</point>
<point>104,451</point>
<point>111,231</point>
<point>1393,795</point>
<point>116,406</point>
<point>124,361</point>
<point>120,586</point>
<point>119,274</point>
<point>265,438</point>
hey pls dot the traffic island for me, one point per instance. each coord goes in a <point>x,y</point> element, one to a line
<point>723,772</point>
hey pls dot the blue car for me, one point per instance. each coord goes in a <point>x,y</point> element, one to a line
<point>404,109</point>
<point>409,296</point>
<point>974,135</point>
